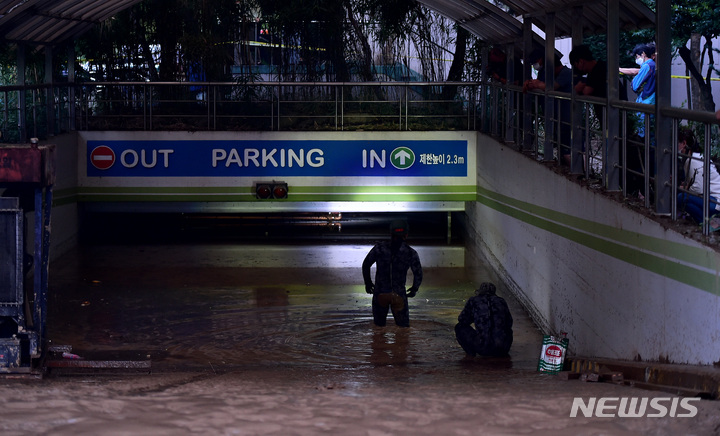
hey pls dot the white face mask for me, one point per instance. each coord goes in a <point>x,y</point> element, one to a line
<point>639,61</point>
<point>536,65</point>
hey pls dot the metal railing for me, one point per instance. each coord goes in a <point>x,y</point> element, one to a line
<point>273,106</point>
<point>635,160</point>
<point>624,163</point>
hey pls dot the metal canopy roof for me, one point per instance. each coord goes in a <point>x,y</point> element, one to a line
<point>52,22</point>
<point>633,14</point>
<point>481,18</point>
<point>495,25</point>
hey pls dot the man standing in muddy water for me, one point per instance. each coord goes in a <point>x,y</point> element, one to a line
<point>393,259</point>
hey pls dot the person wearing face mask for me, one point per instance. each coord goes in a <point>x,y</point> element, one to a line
<point>644,81</point>
<point>563,83</point>
<point>393,259</point>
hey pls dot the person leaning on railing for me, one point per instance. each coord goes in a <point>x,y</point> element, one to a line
<point>562,110</point>
<point>644,81</point>
<point>692,156</point>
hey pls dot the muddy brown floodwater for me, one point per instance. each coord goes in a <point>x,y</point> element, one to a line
<point>252,339</point>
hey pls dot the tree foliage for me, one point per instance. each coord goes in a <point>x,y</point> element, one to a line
<point>166,40</point>
<point>693,18</point>
<point>309,40</point>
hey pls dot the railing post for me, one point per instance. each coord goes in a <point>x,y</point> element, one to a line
<point>586,135</point>
<point>35,93</point>
<point>706,181</point>
<point>404,97</point>
<point>279,93</point>
<point>484,88</point>
<point>211,107</point>
<point>623,149</point>
<point>476,88</point>
<point>509,97</point>
<point>495,90</point>
<point>576,136</point>
<point>527,133</point>
<point>272,106</point>
<point>675,174</point>
<point>471,107</point>
<point>150,107</point>
<point>71,87</point>
<point>611,128</point>
<point>49,92</point>
<point>6,115</point>
<point>84,108</point>
<point>145,105</point>
<point>22,98</point>
<point>401,102</point>
<point>550,85</point>
<point>664,198</point>
<point>647,163</point>
<point>536,120</point>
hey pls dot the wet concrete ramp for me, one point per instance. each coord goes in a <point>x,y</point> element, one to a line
<point>238,347</point>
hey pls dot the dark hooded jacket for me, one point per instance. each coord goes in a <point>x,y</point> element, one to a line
<point>492,320</point>
<point>393,259</point>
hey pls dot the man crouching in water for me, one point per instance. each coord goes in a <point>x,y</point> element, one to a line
<point>393,259</point>
<point>492,335</point>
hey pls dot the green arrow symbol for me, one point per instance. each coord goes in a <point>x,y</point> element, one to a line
<point>402,158</point>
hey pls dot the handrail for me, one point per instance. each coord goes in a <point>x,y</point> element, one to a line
<point>499,110</point>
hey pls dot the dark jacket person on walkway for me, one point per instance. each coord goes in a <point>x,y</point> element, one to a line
<point>492,335</point>
<point>393,259</point>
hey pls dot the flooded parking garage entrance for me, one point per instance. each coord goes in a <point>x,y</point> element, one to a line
<point>246,337</point>
<point>224,306</point>
<point>251,295</point>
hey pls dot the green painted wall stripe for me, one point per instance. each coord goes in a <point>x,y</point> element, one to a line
<point>384,189</point>
<point>686,253</point>
<point>297,193</point>
<point>247,194</point>
<point>62,197</point>
<point>62,201</point>
<point>665,267</point>
<point>381,189</point>
<point>293,197</point>
<point>166,190</point>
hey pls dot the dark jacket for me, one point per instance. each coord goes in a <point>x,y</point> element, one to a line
<point>492,320</point>
<point>392,267</point>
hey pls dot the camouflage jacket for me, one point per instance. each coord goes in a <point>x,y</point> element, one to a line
<point>391,273</point>
<point>486,310</point>
<point>492,320</point>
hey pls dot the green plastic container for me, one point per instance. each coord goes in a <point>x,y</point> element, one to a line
<point>552,355</point>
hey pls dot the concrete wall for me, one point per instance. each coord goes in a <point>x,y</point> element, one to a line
<point>64,215</point>
<point>620,284</point>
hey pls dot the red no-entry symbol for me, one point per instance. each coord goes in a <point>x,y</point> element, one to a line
<point>102,157</point>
